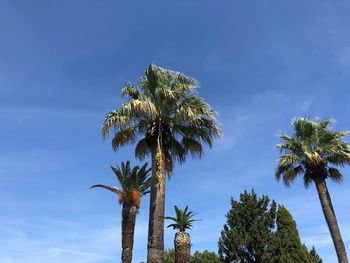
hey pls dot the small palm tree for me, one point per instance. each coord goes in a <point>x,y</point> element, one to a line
<point>182,241</point>
<point>167,119</point>
<point>134,184</point>
<point>313,151</point>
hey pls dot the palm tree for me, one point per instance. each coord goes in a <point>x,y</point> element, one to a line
<point>134,184</point>
<point>313,151</point>
<point>169,120</point>
<point>182,241</point>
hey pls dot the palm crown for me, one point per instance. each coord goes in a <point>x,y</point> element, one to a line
<point>183,219</point>
<point>134,183</point>
<point>311,150</point>
<point>163,108</point>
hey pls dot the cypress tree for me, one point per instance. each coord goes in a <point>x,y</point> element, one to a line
<point>315,258</point>
<point>247,233</point>
<point>286,245</point>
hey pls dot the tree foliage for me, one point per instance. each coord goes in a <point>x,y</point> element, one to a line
<point>169,256</point>
<point>183,219</point>
<point>311,150</point>
<point>250,234</point>
<point>314,256</point>
<point>205,257</point>
<point>163,107</point>
<point>135,182</point>
<point>248,229</point>
<point>197,257</point>
<point>167,120</point>
<point>286,244</point>
<point>314,151</point>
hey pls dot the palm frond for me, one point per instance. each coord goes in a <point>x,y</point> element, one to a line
<point>115,120</point>
<point>308,179</point>
<point>166,99</point>
<point>123,138</point>
<point>335,175</point>
<point>304,128</point>
<point>312,147</point>
<point>133,179</point>
<point>131,91</point>
<point>206,132</point>
<point>112,189</point>
<point>287,165</point>
<point>289,176</point>
<point>193,146</point>
<point>142,150</point>
<point>168,163</point>
<point>178,150</point>
<point>183,220</point>
<point>193,109</point>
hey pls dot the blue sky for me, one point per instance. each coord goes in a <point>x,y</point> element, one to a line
<point>62,64</point>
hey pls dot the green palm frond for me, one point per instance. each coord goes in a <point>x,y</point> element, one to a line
<point>307,179</point>
<point>202,133</point>
<point>130,179</point>
<point>141,150</point>
<point>112,189</point>
<point>115,120</point>
<point>183,219</point>
<point>178,150</point>
<point>163,105</point>
<point>123,138</point>
<point>195,110</point>
<point>310,150</point>
<point>335,175</point>
<point>193,146</point>
<point>131,91</point>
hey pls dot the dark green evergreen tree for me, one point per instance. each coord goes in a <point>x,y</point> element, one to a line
<point>247,233</point>
<point>286,245</point>
<point>169,256</point>
<point>250,236</point>
<point>315,258</point>
<point>205,257</point>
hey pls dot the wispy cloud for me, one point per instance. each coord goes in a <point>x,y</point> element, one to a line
<point>83,239</point>
<point>58,241</point>
<point>321,237</point>
<point>258,114</point>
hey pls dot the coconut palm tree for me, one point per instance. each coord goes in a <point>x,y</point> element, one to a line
<point>182,241</point>
<point>313,151</point>
<point>134,184</point>
<point>168,120</point>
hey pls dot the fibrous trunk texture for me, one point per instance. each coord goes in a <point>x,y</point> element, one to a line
<point>128,227</point>
<point>155,253</point>
<point>331,219</point>
<point>182,245</point>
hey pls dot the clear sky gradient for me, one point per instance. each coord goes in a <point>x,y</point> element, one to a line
<point>62,66</point>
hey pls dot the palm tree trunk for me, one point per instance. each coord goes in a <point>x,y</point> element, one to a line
<point>331,219</point>
<point>155,253</point>
<point>182,245</point>
<point>128,227</point>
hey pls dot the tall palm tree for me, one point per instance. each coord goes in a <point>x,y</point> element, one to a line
<point>182,241</point>
<point>134,184</point>
<point>170,121</point>
<point>313,151</point>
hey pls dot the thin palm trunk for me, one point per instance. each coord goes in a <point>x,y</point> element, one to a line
<point>157,205</point>
<point>128,228</point>
<point>331,219</point>
<point>182,245</point>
